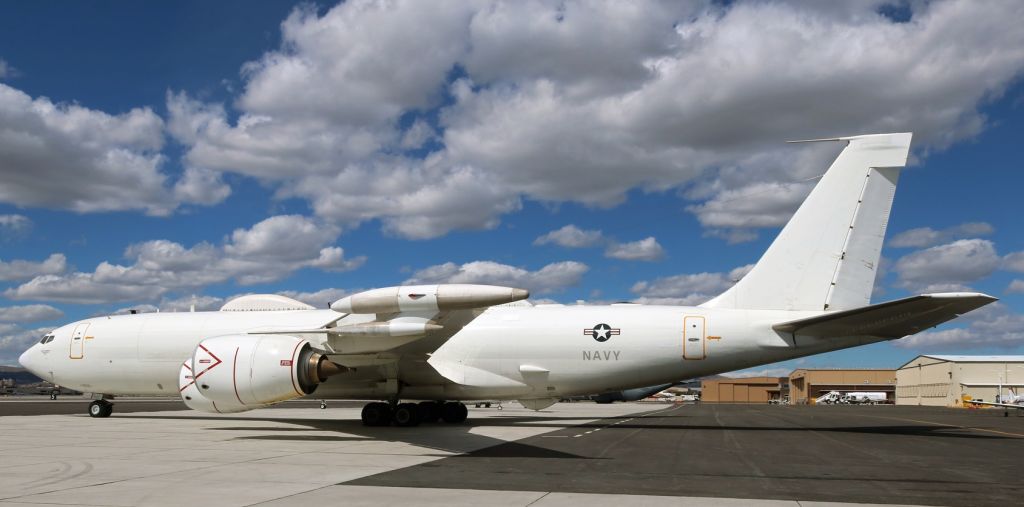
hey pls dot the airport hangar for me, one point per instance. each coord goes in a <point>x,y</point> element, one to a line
<point>934,380</point>
<point>940,380</point>
<point>801,386</point>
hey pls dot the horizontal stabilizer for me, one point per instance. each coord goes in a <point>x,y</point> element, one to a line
<point>892,319</point>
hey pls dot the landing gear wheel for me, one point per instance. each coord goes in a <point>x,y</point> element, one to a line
<point>323,404</point>
<point>376,414</point>
<point>407,414</point>
<point>100,408</point>
<point>430,411</point>
<point>454,412</point>
<point>53,395</point>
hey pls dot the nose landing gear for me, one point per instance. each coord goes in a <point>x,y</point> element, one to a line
<point>101,408</point>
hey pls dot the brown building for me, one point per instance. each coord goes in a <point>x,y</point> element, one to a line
<point>741,390</point>
<point>807,384</point>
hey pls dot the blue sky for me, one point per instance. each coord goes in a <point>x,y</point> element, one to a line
<point>603,152</point>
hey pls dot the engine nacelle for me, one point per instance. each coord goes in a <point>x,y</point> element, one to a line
<point>242,372</point>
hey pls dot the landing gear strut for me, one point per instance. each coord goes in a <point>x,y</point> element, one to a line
<point>101,408</point>
<point>412,414</point>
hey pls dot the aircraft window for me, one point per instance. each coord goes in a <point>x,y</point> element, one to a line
<point>42,341</point>
<point>47,339</point>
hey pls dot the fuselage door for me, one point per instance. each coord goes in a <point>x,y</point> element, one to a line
<point>78,341</point>
<point>693,337</point>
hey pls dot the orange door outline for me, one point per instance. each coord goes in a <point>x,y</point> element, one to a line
<point>694,329</point>
<point>78,341</point>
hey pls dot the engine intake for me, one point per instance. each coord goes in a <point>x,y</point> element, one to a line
<point>242,372</point>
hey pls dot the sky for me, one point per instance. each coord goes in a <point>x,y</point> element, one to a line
<point>156,155</point>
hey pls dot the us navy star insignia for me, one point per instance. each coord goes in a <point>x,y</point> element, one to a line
<point>602,332</point>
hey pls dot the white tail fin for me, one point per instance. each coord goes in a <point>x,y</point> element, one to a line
<point>827,256</point>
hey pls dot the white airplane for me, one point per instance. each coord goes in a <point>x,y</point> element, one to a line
<point>444,344</point>
<point>1011,400</point>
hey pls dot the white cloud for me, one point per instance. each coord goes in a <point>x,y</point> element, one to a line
<point>266,252</point>
<point>6,70</point>
<point>992,326</point>
<point>320,298</point>
<point>1015,287</point>
<point>71,157</point>
<point>21,269</point>
<point>14,341</point>
<point>571,236</point>
<point>687,289</point>
<point>761,372</point>
<point>646,249</point>
<point>926,236</point>
<point>947,267</point>
<point>551,278</point>
<point>29,313</point>
<point>1014,262</point>
<point>14,227</point>
<point>585,101</point>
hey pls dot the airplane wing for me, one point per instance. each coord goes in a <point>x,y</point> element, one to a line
<point>892,319</point>
<point>991,404</point>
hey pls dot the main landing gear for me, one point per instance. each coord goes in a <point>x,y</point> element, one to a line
<point>101,408</point>
<point>412,414</point>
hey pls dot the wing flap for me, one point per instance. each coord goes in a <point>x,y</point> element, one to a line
<point>892,319</point>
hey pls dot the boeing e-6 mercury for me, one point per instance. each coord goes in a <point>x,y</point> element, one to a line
<point>443,344</point>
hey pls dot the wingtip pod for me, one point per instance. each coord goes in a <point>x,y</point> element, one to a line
<point>428,298</point>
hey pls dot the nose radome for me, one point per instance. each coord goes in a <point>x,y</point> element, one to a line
<point>30,361</point>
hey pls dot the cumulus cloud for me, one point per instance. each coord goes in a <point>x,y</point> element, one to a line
<point>66,156</point>
<point>585,101</point>
<point>646,249</point>
<point>761,372</point>
<point>947,267</point>
<point>1016,287</point>
<point>1014,262</point>
<point>992,326</point>
<point>6,70</point>
<point>268,251</point>
<point>14,226</point>
<point>29,313</point>
<point>687,289</point>
<point>14,341</point>
<point>320,298</point>
<point>571,236</point>
<point>926,236</point>
<point>22,269</point>
<point>551,278</point>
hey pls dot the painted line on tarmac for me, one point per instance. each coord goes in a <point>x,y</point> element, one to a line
<point>609,425</point>
<point>957,426</point>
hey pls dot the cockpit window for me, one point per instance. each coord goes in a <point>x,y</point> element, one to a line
<point>46,339</point>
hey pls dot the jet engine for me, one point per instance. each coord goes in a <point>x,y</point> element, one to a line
<point>241,372</point>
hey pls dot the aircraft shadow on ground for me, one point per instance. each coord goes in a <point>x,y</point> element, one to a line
<point>458,438</point>
<point>450,438</point>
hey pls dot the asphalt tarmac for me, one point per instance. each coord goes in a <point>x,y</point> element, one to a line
<point>569,454</point>
<point>862,454</point>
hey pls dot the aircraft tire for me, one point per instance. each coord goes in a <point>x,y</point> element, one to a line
<point>430,411</point>
<point>454,412</point>
<point>376,414</point>
<point>407,415</point>
<point>100,408</point>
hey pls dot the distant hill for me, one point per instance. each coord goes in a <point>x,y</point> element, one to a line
<point>21,376</point>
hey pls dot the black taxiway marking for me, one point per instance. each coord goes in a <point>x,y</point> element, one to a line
<point>878,454</point>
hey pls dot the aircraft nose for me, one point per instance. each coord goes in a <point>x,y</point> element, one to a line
<point>31,361</point>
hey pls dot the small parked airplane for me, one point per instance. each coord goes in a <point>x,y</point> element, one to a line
<point>1011,400</point>
<point>443,344</point>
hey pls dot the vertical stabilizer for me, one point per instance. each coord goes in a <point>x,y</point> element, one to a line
<point>826,257</point>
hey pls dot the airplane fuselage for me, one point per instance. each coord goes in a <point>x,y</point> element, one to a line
<point>545,351</point>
